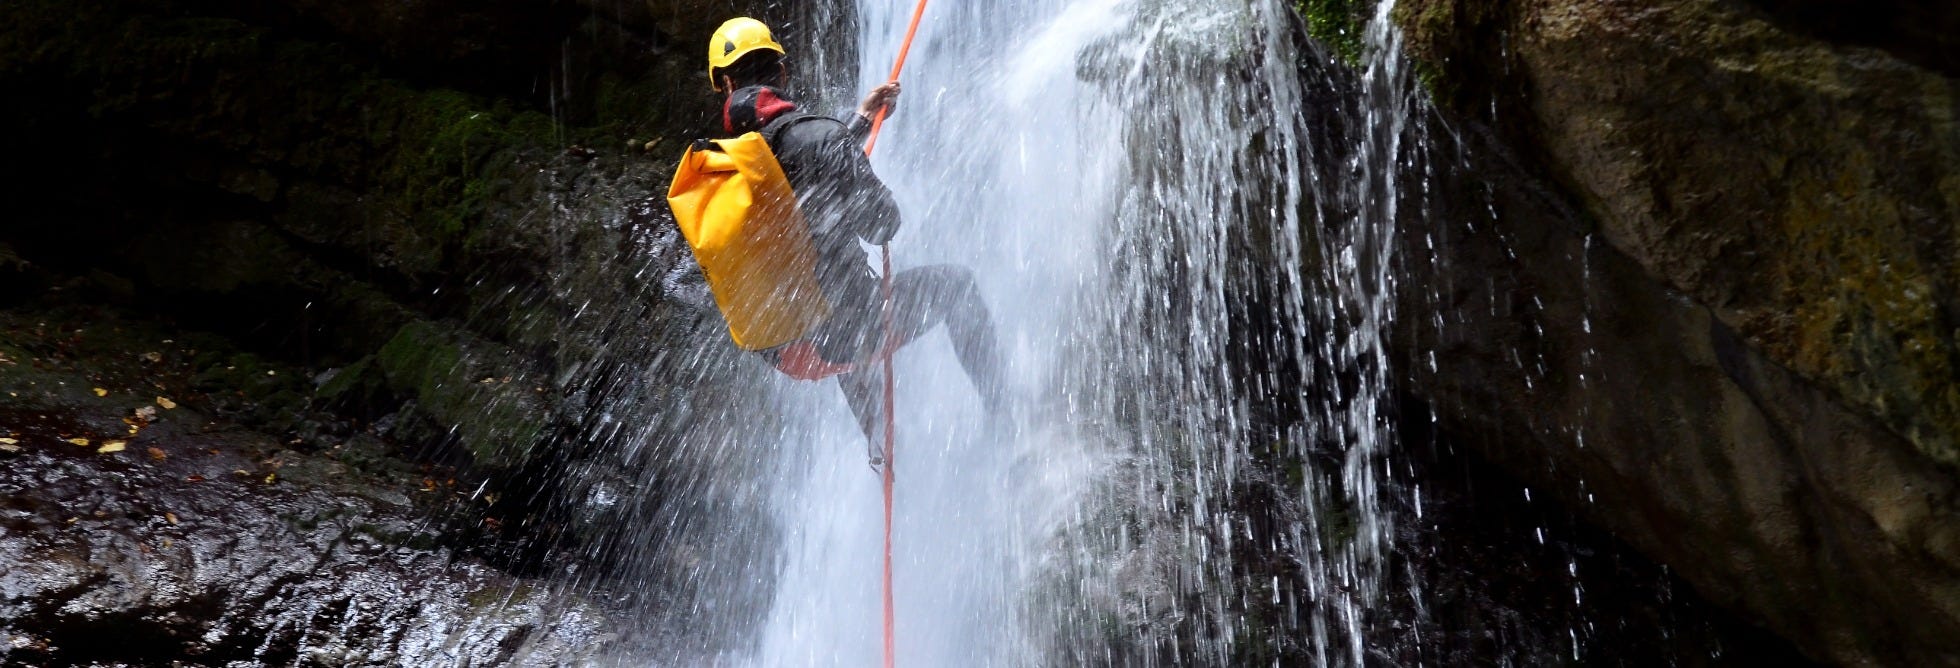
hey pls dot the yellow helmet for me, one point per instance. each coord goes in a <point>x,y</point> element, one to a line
<point>735,38</point>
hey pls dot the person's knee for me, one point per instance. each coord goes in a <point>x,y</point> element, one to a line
<point>956,281</point>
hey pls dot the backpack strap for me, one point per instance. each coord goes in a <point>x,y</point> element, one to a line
<point>769,132</point>
<point>780,124</point>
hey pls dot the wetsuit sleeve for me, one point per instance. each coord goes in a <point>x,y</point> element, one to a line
<point>835,172</point>
<point>858,126</point>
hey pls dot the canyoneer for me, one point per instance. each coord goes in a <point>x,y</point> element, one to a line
<point>775,212</point>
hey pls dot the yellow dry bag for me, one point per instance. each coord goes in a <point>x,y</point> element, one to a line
<point>739,214</point>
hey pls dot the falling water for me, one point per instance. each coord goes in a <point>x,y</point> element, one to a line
<point>1133,182</point>
<point>1192,266</point>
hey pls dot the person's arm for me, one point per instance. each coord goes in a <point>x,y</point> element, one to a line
<point>833,170</point>
<point>885,96</point>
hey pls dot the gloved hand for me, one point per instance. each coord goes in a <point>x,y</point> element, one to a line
<point>885,96</point>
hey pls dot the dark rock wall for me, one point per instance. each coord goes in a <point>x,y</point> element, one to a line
<point>411,192</point>
<point>1698,273</point>
<point>440,222</point>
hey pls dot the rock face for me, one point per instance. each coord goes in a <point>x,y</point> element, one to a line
<point>152,513</point>
<point>115,559</point>
<point>439,222</point>
<point>446,207</point>
<point>1701,277</point>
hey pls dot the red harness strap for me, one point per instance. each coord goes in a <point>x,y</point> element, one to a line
<point>800,360</point>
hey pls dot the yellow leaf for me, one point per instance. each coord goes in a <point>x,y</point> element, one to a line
<point>171,518</point>
<point>269,477</point>
<point>79,441</point>
<point>8,441</point>
<point>166,403</point>
<point>111,446</point>
<point>101,392</point>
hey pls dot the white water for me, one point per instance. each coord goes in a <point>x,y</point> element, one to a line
<point>1119,173</point>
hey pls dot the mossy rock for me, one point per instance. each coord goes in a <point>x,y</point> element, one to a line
<point>1340,25</point>
<point>469,387</point>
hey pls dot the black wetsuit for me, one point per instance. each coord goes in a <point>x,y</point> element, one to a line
<point>844,203</point>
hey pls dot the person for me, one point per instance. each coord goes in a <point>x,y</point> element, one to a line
<point>843,203</point>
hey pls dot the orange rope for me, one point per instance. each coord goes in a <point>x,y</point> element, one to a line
<point>891,419</point>
<point>904,48</point>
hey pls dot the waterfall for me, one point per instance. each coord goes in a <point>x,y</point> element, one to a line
<point>1173,267</point>
<point>1184,220</point>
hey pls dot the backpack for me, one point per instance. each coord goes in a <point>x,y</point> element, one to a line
<point>739,214</point>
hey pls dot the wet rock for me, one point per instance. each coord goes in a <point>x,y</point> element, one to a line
<point>1713,298</point>
<point>386,191</point>
<point>212,556</point>
<point>142,522</point>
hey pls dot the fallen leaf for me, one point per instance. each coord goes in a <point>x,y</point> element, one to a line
<point>9,448</point>
<point>193,478</point>
<point>154,357</point>
<point>269,477</point>
<point>101,392</point>
<point>240,472</point>
<point>146,413</point>
<point>111,446</point>
<point>79,441</point>
<point>171,518</point>
<point>166,403</point>
<point>167,543</point>
<point>156,453</point>
<point>8,441</point>
<point>133,429</point>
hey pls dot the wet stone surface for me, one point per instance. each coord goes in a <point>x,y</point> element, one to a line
<point>141,520</point>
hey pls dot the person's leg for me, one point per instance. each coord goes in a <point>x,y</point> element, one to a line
<point>926,296</point>
<point>864,390</point>
<point>922,298</point>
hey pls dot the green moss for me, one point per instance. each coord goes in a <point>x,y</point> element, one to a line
<point>1338,24</point>
<point>449,157</point>
<point>487,597</point>
<point>459,386</point>
<point>350,382</point>
<point>1873,322</point>
<point>1443,36</point>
